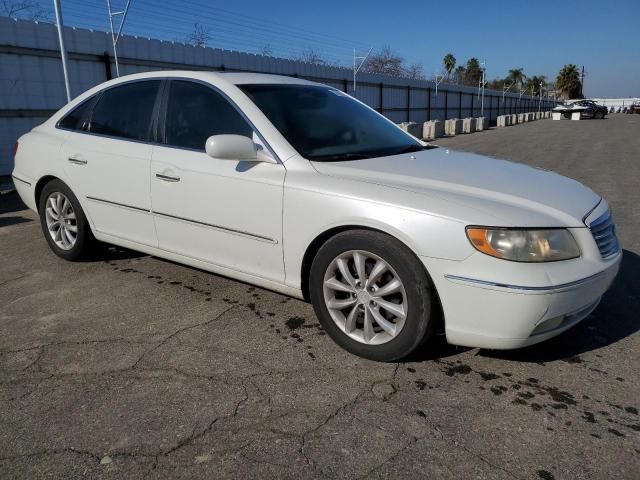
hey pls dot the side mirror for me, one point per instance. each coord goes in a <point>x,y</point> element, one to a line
<point>231,147</point>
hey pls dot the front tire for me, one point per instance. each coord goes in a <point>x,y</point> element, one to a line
<point>372,295</point>
<point>64,223</point>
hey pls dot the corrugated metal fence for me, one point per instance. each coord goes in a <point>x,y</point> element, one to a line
<point>32,84</point>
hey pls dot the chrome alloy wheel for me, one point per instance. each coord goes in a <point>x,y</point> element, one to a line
<point>365,297</point>
<point>61,221</point>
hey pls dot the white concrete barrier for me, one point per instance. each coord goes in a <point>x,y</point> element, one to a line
<point>514,119</point>
<point>453,126</point>
<point>469,125</point>
<point>481,124</point>
<point>501,121</point>
<point>412,128</point>
<point>521,118</point>
<point>432,129</point>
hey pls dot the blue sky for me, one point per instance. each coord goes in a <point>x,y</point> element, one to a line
<point>539,36</point>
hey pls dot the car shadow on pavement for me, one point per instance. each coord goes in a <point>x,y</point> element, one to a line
<point>616,318</point>
<point>7,221</point>
<point>10,202</point>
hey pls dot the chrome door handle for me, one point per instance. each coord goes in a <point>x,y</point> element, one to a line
<point>167,178</point>
<point>77,160</point>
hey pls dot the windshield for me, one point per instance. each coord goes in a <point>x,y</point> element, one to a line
<point>324,124</point>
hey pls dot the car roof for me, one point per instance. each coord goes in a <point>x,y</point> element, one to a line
<point>234,78</point>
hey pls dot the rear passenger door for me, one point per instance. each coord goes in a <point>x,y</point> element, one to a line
<point>108,156</point>
<point>224,212</point>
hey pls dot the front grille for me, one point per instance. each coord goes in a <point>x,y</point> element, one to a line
<point>604,233</point>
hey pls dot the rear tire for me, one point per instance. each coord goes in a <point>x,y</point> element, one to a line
<point>381,326</point>
<point>64,223</point>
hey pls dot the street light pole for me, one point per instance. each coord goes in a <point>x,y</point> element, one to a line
<point>482,89</point>
<point>63,50</point>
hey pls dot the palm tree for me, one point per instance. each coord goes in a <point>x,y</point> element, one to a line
<point>516,77</point>
<point>449,62</point>
<point>568,81</point>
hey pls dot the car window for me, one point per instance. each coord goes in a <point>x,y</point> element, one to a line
<point>195,112</point>
<point>75,120</point>
<point>125,111</point>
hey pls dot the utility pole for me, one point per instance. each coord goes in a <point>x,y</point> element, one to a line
<point>481,89</point>
<point>356,68</point>
<point>582,82</point>
<point>116,36</point>
<point>540,97</point>
<point>63,50</point>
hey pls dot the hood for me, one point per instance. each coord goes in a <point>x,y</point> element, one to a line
<point>512,194</point>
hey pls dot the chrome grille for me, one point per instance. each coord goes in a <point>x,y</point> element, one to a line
<point>604,233</point>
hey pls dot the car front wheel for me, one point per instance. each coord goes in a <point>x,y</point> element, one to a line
<point>372,295</point>
<point>63,222</point>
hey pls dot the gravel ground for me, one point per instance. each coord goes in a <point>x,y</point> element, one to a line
<point>133,367</point>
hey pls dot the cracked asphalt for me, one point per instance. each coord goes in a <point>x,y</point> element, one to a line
<point>129,366</point>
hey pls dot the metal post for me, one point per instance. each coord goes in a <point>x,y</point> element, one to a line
<point>408,103</point>
<point>429,102</point>
<point>446,103</point>
<point>63,50</point>
<point>381,97</point>
<point>116,36</point>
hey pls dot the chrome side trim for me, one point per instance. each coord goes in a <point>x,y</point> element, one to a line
<point>524,287</point>
<point>116,204</point>
<point>242,233</point>
<point>218,227</point>
<point>24,182</point>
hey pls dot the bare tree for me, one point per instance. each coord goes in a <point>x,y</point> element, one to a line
<point>385,62</point>
<point>414,71</point>
<point>28,9</point>
<point>200,36</point>
<point>267,51</point>
<point>311,55</point>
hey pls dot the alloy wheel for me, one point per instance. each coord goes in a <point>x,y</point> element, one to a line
<point>61,221</point>
<point>365,297</point>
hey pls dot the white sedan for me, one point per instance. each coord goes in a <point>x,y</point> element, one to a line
<point>299,188</point>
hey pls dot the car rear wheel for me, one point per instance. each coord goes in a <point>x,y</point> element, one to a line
<point>599,115</point>
<point>63,222</point>
<point>372,295</point>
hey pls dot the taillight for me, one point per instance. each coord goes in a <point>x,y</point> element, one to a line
<point>15,149</point>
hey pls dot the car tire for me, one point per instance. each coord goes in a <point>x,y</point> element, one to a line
<point>416,297</point>
<point>599,115</point>
<point>64,223</point>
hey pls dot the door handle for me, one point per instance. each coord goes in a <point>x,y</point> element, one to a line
<point>77,160</point>
<point>167,178</point>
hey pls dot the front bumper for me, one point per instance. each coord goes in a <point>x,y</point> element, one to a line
<point>489,314</point>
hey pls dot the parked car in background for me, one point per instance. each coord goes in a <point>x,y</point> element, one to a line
<point>635,107</point>
<point>300,188</point>
<point>592,109</point>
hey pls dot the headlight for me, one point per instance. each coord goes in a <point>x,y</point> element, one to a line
<point>519,245</point>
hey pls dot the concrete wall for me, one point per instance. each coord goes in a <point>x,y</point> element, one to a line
<point>32,84</point>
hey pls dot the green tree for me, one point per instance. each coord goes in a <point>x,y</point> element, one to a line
<point>449,63</point>
<point>568,81</point>
<point>532,84</point>
<point>459,74</point>
<point>473,72</point>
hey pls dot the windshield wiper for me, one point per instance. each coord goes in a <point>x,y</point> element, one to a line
<point>340,157</point>
<point>410,149</point>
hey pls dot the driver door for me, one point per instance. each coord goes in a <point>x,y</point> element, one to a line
<point>224,212</point>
